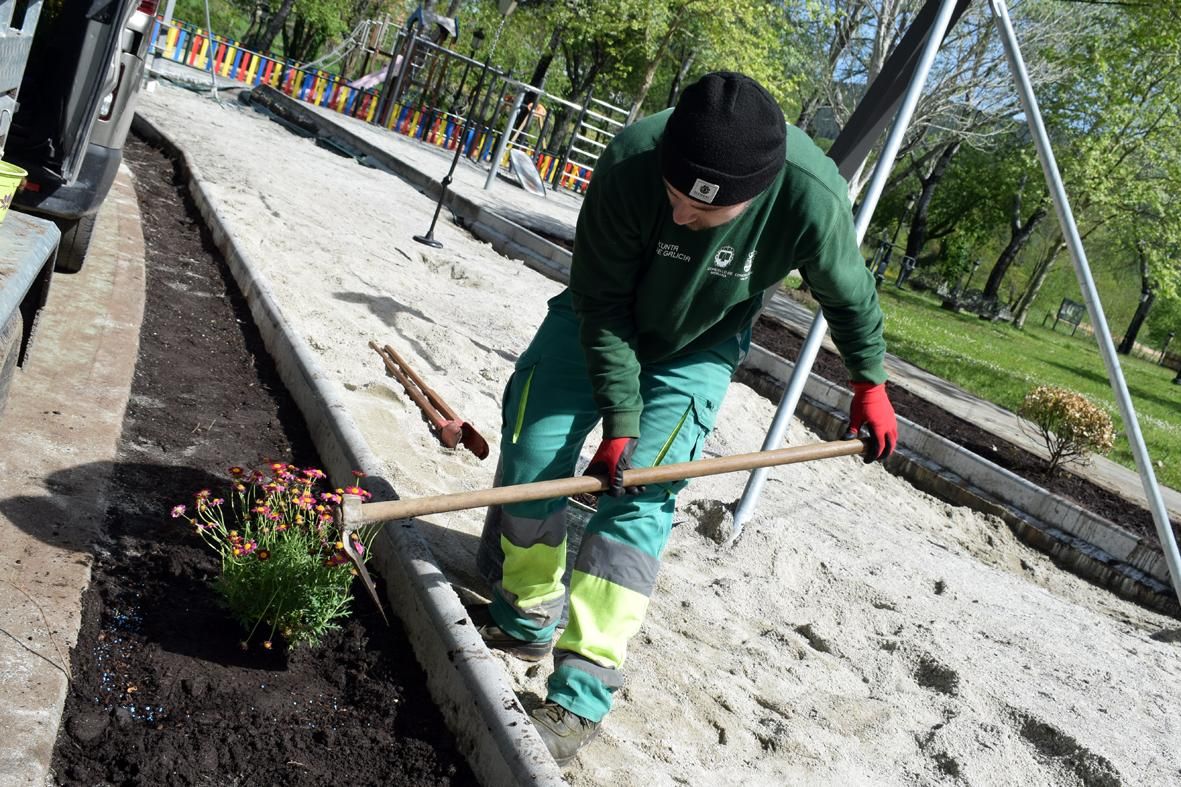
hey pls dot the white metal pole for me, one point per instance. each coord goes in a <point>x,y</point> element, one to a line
<point>1090,295</point>
<point>877,183</point>
<point>502,145</point>
<point>212,52</point>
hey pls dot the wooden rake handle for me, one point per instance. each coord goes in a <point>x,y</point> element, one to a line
<point>359,515</point>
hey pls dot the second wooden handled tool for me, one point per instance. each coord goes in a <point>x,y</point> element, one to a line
<point>452,429</point>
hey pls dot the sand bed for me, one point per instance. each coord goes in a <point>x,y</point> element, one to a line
<point>859,632</point>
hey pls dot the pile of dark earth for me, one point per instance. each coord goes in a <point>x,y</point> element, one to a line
<point>782,340</point>
<point>161,691</point>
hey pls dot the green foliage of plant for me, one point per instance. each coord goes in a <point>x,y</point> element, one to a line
<point>1071,427</point>
<point>283,565</point>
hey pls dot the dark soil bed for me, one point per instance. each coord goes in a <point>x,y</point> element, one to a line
<point>782,340</point>
<point>162,693</point>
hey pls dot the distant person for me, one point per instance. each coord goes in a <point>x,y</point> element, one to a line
<point>692,220</point>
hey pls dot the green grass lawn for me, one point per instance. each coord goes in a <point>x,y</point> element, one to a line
<point>997,362</point>
<point>1000,363</point>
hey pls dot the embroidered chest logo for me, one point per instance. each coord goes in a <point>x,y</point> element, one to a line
<point>724,256</point>
<point>724,266</point>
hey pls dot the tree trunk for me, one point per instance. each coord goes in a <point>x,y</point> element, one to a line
<point>540,70</point>
<point>1019,234</point>
<point>1147,296</point>
<point>1025,302</point>
<point>807,114</point>
<point>650,69</point>
<point>266,40</point>
<point>1142,309</point>
<point>305,40</point>
<point>254,28</point>
<point>674,90</point>
<point>917,237</point>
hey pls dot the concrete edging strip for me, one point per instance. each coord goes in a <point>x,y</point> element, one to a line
<point>466,681</point>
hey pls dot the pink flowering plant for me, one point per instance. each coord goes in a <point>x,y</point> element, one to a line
<point>283,565</point>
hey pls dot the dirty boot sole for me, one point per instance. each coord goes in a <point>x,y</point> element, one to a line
<point>495,638</point>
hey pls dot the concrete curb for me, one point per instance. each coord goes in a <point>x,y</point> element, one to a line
<point>466,681</point>
<point>1088,545</point>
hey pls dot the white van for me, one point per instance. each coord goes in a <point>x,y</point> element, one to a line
<point>76,102</point>
<point>69,74</point>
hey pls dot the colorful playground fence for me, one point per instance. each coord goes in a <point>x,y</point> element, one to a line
<point>192,46</point>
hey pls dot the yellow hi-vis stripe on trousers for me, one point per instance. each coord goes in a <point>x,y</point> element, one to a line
<point>534,573</point>
<point>603,617</point>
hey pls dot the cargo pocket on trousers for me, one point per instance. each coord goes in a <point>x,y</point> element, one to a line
<point>514,401</point>
<point>687,440</point>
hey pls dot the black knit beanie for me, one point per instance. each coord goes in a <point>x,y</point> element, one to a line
<point>726,140</point>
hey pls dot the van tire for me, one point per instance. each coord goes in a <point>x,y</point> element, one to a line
<point>75,243</point>
<point>10,345</point>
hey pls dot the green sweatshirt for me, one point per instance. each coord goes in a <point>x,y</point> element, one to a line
<point>646,289</point>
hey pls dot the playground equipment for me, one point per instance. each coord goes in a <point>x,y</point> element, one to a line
<point>426,95</point>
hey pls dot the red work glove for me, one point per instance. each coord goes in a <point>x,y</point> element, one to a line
<point>613,457</point>
<point>872,410</point>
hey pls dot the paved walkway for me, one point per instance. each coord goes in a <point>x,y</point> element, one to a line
<point>60,434</point>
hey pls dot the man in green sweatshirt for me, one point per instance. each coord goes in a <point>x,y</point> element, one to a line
<point>694,215</point>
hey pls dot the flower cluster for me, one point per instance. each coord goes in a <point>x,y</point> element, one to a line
<point>284,567</point>
<point>1069,424</point>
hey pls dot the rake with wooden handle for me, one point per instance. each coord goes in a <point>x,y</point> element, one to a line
<point>352,514</point>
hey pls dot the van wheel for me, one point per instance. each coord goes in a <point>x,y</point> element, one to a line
<point>76,235</point>
<point>10,345</point>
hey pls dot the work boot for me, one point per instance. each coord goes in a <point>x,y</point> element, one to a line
<point>495,637</point>
<point>563,731</point>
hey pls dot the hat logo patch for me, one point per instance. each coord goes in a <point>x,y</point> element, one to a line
<point>704,191</point>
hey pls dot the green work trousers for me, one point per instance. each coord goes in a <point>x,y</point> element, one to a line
<point>548,412</point>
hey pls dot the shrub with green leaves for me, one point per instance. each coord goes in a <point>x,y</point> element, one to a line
<point>1070,425</point>
<point>283,565</point>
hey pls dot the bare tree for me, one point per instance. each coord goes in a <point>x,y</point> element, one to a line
<point>967,91</point>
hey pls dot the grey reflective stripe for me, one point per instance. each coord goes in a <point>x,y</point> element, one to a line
<point>610,677</point>
<point>525,532</point>
<point>617,562</point>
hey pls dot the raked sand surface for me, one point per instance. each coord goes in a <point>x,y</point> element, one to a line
<point>859,632</point>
